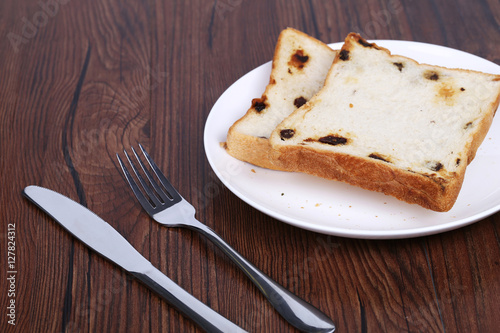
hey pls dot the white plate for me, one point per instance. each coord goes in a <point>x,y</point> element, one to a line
<point>336,208</point>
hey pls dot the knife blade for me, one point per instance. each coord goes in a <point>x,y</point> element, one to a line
<point>105,240</point>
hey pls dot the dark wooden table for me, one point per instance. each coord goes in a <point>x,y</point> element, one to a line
<point>81,80</point>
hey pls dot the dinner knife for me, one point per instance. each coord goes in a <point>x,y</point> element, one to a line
<point>105,240</point>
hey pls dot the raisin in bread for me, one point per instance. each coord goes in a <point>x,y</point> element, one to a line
<point>299,67</point>
<point>389,124</point>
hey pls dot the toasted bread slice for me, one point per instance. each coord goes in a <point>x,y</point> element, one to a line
<point>387,123</point>
<point>299,68</point>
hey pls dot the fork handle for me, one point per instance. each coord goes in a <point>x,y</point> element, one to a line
<point>295,310</point>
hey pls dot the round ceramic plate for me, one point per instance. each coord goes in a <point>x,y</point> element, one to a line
<point>336,208</point>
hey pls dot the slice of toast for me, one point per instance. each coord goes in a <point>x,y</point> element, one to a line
<point>299,67</point>
<point>387,123</point>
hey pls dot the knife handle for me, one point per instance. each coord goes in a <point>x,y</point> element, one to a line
<point>186,303</point>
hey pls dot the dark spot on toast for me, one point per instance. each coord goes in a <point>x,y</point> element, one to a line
<point>365,43</point>
<point>399,65</point>
<point>333,140</point>
<point>289,71</point>
<point>378,157</point>
<point>462,89</point>
<point>259,104</point>
<point>298,59</point>
<point>431,75</point>
<point>300,56</point>
<point>344,55</point>
<point>468,125</point>
<point>287,134</point>
<point>441,182</point>
<point>299,101</point>
<point>436,166</point>
<point>457,162</point>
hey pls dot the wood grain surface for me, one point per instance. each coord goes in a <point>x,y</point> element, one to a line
<point>81,80</point>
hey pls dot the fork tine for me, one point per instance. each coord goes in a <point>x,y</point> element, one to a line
<point>161,177</point>
<point>152,196</point>
<point>135,188</point>
<point>161,193</point>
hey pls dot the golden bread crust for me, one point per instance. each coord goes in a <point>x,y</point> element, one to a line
<point>374,175</point>
<point>251,149</point>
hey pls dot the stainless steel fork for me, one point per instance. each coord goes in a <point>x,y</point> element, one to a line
<point>165,205</point>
